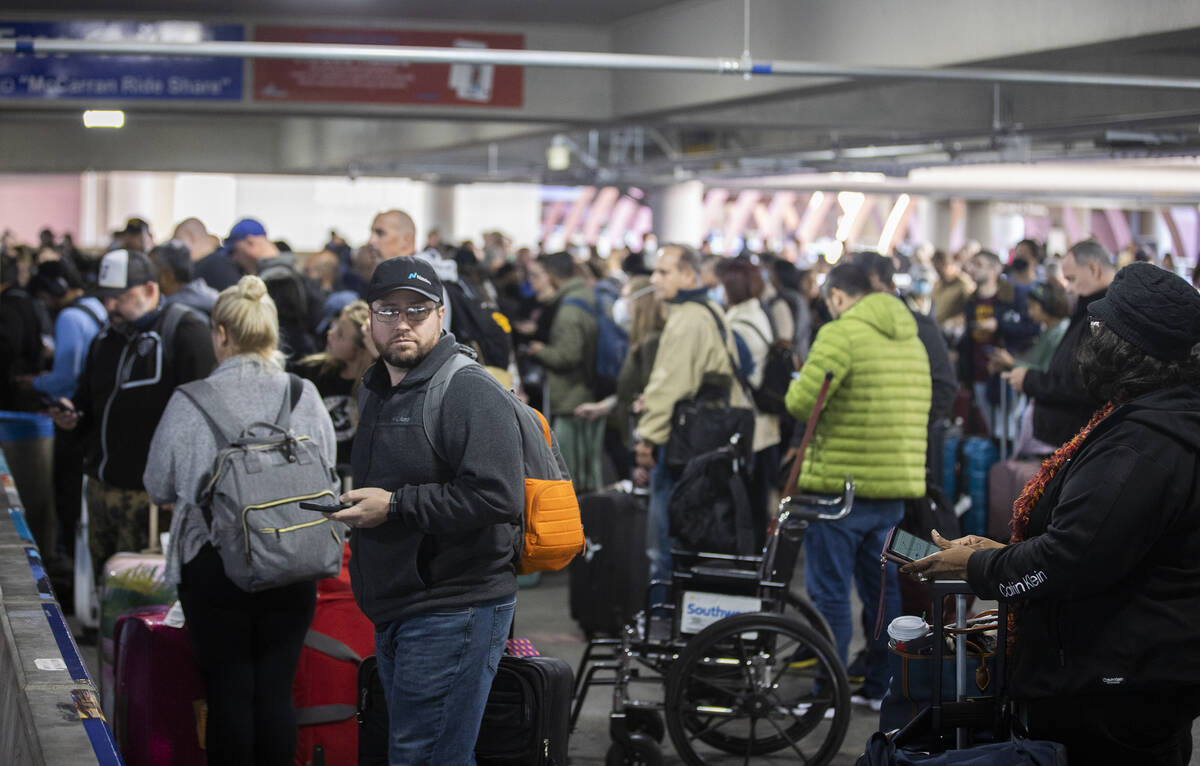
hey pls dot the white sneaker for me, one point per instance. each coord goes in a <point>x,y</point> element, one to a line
<point>858,698</point>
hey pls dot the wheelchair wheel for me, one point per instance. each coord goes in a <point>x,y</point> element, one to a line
<point>799,606</point>
<point>642,751</point>
<point>735,692</point>
<point>648,722</point>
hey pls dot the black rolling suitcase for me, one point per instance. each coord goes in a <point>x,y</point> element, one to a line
<point>608,582</point>
<point>372,716</point>
<point>524,722</point>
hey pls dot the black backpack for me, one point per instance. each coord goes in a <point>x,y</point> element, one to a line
<point>709,509</point>
<point>778,367</point>
<point>478,323</point>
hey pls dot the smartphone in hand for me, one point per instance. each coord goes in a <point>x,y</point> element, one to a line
<point>333,507</point>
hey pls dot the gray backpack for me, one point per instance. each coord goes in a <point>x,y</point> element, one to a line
<point>262,473</point>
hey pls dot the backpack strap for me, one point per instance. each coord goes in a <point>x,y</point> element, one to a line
<point>592,311</point>
<point>757,331</point>
<point>86,309</point>
<point>435,393</point>
<point>768,307</point>
<point>173,314</point>
<point>742,517</point>
<point>295,389</point>
<point>220,420</point>
<point>733,364</point>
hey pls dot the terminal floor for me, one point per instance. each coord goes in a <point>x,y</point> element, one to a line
<point>543,616</point>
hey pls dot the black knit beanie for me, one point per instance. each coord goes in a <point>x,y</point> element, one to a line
<point>1152,308</point>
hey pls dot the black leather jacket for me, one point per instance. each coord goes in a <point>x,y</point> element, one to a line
<point>1061,406</point>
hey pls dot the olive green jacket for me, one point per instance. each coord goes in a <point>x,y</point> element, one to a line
<point>570,356</point>
<point>873,424</point>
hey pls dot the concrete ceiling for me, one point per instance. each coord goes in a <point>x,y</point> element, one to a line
<point>587,12</point>
<point>653,128</point>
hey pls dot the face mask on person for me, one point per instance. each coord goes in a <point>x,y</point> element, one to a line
<point>717,295</point>
<point>621,313</point>
<point>622,308</point>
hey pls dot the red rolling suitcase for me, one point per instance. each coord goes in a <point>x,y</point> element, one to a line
<point>325,689</point>
<point>159,711</point>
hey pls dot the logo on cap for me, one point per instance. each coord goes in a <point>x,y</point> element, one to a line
<point>415,275</point>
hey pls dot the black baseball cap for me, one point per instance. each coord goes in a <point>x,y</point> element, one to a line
<point>405,273</point>
<point>121,270</point>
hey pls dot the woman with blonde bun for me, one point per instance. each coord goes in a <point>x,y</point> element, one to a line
<point>247,645</point>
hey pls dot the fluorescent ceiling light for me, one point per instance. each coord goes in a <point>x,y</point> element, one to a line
<point>103,118</point>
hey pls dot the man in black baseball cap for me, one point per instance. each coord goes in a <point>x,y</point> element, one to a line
<point>403,294</point>
<point>433,517</point>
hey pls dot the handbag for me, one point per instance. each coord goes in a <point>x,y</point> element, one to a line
<point>704,423</point>
<point>707,421</point>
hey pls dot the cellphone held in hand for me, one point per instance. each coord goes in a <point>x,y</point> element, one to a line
<point>324,507</point>
<point>904,547</point>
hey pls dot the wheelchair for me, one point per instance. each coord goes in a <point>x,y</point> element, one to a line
<point>748,668</point>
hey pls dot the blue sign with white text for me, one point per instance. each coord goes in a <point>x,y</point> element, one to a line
<point>119,78</point>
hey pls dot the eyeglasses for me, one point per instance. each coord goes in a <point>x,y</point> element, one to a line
<point>1095,324</point>
<point>413,315</point>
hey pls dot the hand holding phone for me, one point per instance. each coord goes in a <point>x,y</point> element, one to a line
<point>329,507</point>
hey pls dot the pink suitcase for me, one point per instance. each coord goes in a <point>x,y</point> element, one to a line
<point>131,581</point>
<point>159,711</point>
<point>1006,479</point>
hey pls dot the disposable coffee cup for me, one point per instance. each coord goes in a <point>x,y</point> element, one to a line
<point>910,633</point>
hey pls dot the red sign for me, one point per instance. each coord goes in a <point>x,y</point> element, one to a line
<point>362,82</point>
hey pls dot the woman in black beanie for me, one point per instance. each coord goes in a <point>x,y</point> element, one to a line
<point>1103,573</point>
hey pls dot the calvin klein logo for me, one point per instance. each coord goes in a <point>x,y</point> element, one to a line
<point>1024,585</point>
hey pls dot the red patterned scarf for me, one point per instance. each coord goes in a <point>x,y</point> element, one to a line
<point>1036,487</point>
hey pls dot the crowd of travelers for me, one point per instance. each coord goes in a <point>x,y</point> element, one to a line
<point>920,344</point>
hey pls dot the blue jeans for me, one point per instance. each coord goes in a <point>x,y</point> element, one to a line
<point>658,523</point>
<point>834,551</point>
<point>437,671</point>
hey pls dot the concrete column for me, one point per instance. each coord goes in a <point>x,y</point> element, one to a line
<point>979,223</point>
<point>679,213</point>
<point>941,224</point>
<point>441,215</point>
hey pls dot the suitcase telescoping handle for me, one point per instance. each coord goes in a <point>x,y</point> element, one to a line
<point>809,428</point>
<point>154,545</point>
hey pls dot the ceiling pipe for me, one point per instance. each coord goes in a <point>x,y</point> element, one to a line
<point>583,60</point>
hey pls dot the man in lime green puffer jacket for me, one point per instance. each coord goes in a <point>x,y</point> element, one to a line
<point>872,428</point>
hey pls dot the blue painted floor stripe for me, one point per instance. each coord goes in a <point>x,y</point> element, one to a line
<point>18,520</point>
<point>98,732</point>
<point>66,644</point>
<point>40,578</point>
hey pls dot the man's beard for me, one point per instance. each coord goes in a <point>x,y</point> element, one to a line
<point>405,360</point>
